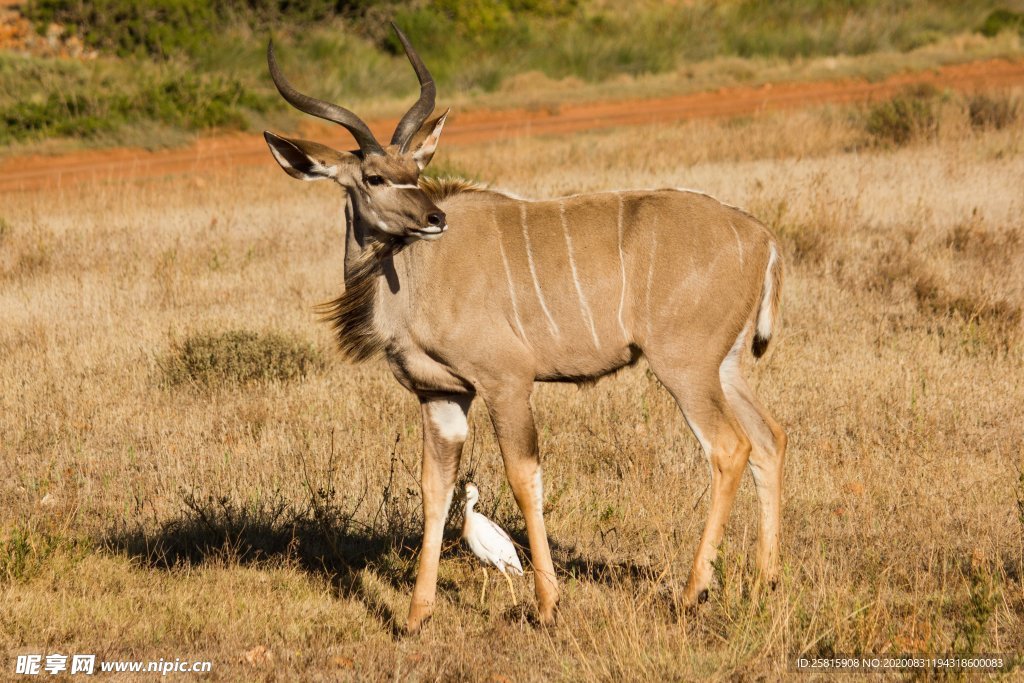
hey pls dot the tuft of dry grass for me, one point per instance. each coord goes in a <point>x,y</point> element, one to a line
<point>271,527</point>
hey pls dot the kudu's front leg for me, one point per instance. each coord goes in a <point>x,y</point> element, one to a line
<point>444,431</point>
<point>517,438</point>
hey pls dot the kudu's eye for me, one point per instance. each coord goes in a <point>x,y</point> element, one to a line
<point>375,180</point>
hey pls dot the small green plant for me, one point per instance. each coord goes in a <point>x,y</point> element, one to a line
<point>906,117</point>
<point>23,552</point>
<point>986,111</point>
<point>239,356</point>
<point>1020,499</point>
<point>982,599</point>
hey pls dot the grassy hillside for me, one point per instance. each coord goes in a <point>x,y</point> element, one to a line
<point>169,66</point>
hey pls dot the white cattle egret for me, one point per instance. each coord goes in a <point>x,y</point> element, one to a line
<point>490,543</point>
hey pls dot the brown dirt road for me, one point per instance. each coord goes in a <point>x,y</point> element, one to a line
<point>221,152</point>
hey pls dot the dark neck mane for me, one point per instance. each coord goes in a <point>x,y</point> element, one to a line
<point>351,314</point>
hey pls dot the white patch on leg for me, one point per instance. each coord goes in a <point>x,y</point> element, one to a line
<point>449,420</point>
<point>704,444</point>
<point>730,367</point>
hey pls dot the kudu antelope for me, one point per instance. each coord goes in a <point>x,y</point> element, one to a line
<point>521,291</point>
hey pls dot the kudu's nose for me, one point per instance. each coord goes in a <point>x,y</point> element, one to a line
<point>435,218</point>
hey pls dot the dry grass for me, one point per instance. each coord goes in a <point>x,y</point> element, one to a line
<point>146,521</point>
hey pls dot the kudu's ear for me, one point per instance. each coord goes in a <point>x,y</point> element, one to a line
<point>303,159</point>
<point>425,151</point>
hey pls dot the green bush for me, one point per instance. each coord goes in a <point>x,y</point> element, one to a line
<point>239,356</point>
<point>161,28</point>
<point>1002,20</point>
<point>909,116</point>
<point>155,27</point>
<point>85,107</point>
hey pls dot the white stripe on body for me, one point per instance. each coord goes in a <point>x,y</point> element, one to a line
<point>552,326</point>
<point>650,273</point>
<point>584,307</point>
<point>739,242</point>
<point>622,268</point>
<point>508,279</point>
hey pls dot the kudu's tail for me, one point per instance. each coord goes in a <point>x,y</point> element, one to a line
<point>768,309</point>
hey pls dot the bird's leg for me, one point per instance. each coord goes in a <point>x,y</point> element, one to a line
<point>483,587</point>
<point>510,588</point>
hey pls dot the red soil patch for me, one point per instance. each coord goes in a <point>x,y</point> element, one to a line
<point>224,152</point>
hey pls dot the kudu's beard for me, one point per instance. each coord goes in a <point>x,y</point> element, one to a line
<point>351,314</point>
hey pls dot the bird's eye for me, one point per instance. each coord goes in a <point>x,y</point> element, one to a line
<point>375,180</point>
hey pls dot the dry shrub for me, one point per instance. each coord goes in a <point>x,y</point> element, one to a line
<point>907,266</point>
<point>239,356</point>
<point>985,111</point>
<point>939,298</point>
<point>909,116</point>
<point>973,238</point>
<point>807,236</point>
<point>23,258</point>
<point>804,242</point>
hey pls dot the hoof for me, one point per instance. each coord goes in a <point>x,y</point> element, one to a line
<point>546,614</point>
<point>694,597</point>
<point>418,615</point>
<point>766,584</point>
<point>691,600</point>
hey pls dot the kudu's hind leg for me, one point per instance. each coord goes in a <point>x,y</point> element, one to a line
<point>444,431</point>
<point>768,452</point>
<point>517,438</point>
<point>700,397</point>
